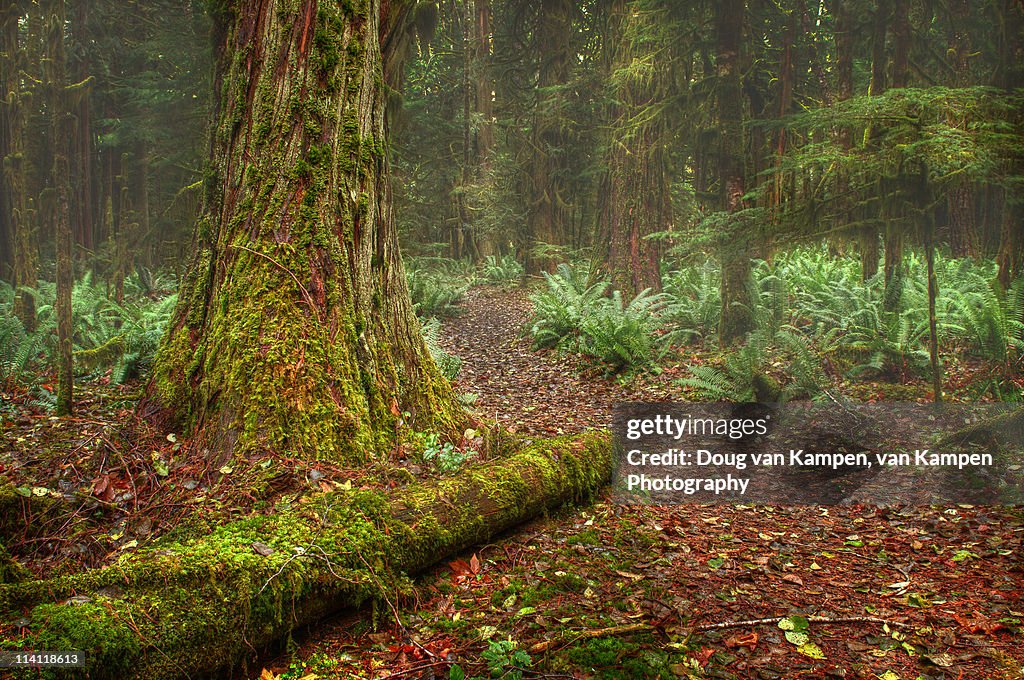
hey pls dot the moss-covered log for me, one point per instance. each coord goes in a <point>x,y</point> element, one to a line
<point>188,609</point>
<point>294,331</point>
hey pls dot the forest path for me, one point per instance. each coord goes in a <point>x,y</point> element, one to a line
<point>641,579</point>
<point>526,391</point>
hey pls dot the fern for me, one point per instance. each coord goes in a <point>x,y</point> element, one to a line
<point>746,374</point>
<point>434,292</point>
<point>449,364</point>
<point>501,270</point>
<point>559,311</point>
<point>621,335</point>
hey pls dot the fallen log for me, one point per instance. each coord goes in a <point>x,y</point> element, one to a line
<point>175,610</point>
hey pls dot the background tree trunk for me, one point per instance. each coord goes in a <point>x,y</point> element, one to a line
<point>20,243</point>
<point>64,238</point>
<point>294,331</point>
<point>546,216</point>
<point>736,320</point>
<point>637,202</point>
<point>960,197</point>
<point>879,25</point>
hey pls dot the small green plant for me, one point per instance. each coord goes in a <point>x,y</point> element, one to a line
<point>621,335</point>
<point>434,294</point>
<point>748,373</point>
<point>442,455</point>
<point>505,659</point>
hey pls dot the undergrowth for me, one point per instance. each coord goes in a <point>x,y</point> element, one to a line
<point>108,335</point>
<point>808,307</point>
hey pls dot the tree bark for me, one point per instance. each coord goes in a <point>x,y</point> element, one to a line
<point>636,202</point>
<point>18,214</point>
<point>963,240</point>
<point>81,144</point>
<point>64,238</point>
<point>737,319</point>
<point>891,209</point>
<point>174,610</point>
<point>546,214</point>
<point>294,331</point>
<point>876,86</point>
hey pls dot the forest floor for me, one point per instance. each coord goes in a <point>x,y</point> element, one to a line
<point>612,591</point>
<point>605,591</point>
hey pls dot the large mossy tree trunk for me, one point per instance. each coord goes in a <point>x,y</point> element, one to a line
<point>294,330</point>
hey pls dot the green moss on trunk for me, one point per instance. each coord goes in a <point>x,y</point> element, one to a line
<point>196,607</point>
<point>295,331</point>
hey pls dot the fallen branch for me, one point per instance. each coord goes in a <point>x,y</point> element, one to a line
<point>180,609</point>
<point>633,628</point>
<point>810,619</point>
<point>627,629</point>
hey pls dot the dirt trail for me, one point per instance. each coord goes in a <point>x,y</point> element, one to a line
<point>531,392</point>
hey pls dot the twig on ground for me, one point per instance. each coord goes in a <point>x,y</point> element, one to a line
<point>811,619</point>
<point>628,629</point>
<point>632,628</point>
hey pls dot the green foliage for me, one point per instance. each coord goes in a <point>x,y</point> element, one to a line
<point>770,367</point>
<point>122,337</point>
<point>809,304</point>
<point>505,659</point>
<point>558,312</point>
<point>572,315</point>
<point>693,302</point>
<point>449,364</point>
<point>621,335</point>
<point>437,285</point>
<point>503,270</point>
<point>444,455</point>
<point>19,350</point>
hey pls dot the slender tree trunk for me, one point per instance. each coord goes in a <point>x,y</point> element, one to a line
<point>18,214</point>
<point>140,202</point>
<point>1011,243</point>
<point>546,214</point>
<point>960,196</point>
<point>294,330</point>
<point>460,235</point>
<point>484,244</point>
<point>737,319</point>
<point>57,82</point>
<point>484,84</point>
<point>1009,76</point>
<point>81,142</point>
<point>9,90</point>
<point>933,293</point>
<point>869,235</point>
<point>892,216</point>
<point>636,202</point>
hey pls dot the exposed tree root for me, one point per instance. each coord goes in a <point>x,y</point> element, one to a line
<point>187,609</point>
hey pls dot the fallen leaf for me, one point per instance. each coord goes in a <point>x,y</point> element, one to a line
<point>811,650</point>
